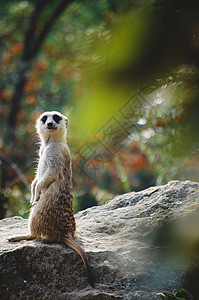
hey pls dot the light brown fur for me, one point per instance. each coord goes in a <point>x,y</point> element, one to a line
<point>51,215</point>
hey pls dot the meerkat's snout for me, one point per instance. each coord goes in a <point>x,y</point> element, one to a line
<point>50,125</point>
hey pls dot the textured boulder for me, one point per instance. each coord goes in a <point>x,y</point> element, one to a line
<point>138,244</point>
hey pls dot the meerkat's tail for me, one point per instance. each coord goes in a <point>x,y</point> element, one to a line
<point>70,242</point>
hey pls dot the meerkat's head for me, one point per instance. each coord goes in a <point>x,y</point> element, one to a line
<point>52,125</point>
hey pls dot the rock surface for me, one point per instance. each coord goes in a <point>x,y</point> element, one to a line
<point>138,244</point>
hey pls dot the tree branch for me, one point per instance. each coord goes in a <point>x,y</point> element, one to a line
<point>49,24</point>
<point>32,46</point>
<point>32,27</point>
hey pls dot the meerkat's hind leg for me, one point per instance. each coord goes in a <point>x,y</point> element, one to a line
<point>27,237</point>
<point>70,242</point>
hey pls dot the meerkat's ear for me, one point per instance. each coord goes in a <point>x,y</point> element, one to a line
<point>66,120</point>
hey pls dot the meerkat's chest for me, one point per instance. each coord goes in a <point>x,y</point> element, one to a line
<point>52,159</point>
<point>49,159</point>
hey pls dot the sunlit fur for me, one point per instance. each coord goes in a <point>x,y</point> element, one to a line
<point>51,190</point>
<point>51,215</point>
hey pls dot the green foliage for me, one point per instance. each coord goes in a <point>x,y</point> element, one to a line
<point>182,294</point>
<point>135,53</point>
<point>84,201</point>
<point>125,74</point>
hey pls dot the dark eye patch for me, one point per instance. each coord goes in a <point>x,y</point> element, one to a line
<point>43,119</point>
<point>56,118</point>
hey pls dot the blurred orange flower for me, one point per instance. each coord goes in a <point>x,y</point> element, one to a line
<point>5,94</point>
<point>16,48</point>
<point>41,67</point>
<point>31,100</point>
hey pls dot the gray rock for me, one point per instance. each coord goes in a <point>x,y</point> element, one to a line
<point>138,244</point>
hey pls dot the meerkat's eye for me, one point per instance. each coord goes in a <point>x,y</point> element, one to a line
<point>44,119</point>
<point>56,118</point>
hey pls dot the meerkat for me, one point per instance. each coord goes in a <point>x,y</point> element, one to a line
<point>51,216</point>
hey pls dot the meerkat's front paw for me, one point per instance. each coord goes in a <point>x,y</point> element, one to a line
<point>35,200</point>
<point>37,197</point>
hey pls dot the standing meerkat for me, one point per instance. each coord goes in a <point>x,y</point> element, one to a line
<point>51,216</point>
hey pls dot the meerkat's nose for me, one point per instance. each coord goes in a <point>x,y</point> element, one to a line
<point>50,124</point>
